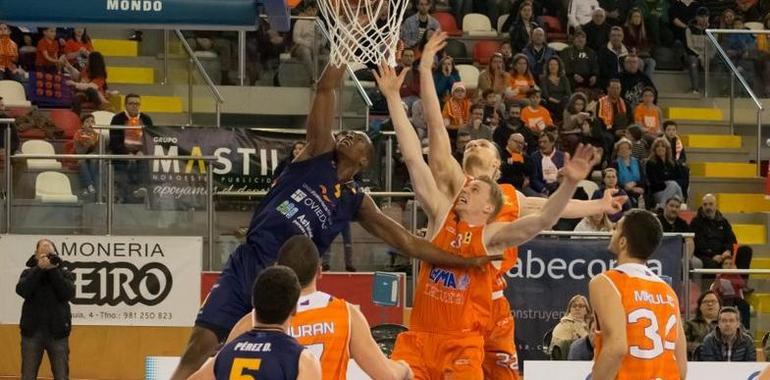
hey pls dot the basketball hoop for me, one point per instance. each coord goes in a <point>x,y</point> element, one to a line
<point>354,33</point>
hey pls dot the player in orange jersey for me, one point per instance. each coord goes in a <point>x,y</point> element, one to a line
<point>332,329</point>
<point>639,332</point>
<point>482,158</point>
<point>452,308</point>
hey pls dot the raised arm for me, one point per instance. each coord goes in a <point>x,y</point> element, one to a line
<point>424,185</point>
<point>320,121</point>
<point>605,301</point>
<point>393,234</point>
<point>609,204</point>
<point>366,353</point>
<point>446,171</point>
<point>515,233</point>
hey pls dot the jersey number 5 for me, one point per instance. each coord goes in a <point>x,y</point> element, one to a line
<point>245,369</point>
<point>652,332</point>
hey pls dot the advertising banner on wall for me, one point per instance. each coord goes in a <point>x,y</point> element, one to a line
<point>552,270</point>
<point>119,280</point>
<point>564,370</point>
<point>246,160</point>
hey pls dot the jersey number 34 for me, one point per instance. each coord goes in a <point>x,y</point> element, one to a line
<point>652,332</point>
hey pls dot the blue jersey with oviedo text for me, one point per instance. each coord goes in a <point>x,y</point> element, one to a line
<point>259,355</point>
<point>308,198</point>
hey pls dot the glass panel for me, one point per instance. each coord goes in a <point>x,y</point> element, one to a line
<point>750,54</point>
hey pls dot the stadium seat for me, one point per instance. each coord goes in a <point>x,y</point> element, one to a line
<point>553,29</point>
<point>500,22</point>
<point>54,187</point>
<point>483,50</point>
<point>457,50</point>
<point>588,186</point>
<point>40,147</point>
<point>448,23</point>
<point>754,25</point>
<point>478,25</point>
<point>558,46</point>
<point>13,94</point>
<point>469,74</point>
<point>67,121</point>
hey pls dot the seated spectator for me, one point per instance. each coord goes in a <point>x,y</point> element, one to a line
<point>78,47</point>
<point>89,83</point>
<point>726,17</point>
<point>547,161</point>
<point>730,288</point>
<point>663,173</point>
<point>634,81</point>
<point>638,42</point>
<point>414,27</point>
<point>410,88</point>
<point>610,182</point>
<point>763,57</point>
<point>703,323</point>
<point>516,168</point>
<point>495,77</point>
<point>598,30</point>
<point>47,60</point>
<point>296,149</point>
<point>522,78</point>
<point>741,49</point>
<point>512,124</point>
<point>418,119</point>
<point>655,13</point>
<point>463,138</point>
<point>612,114</point>
<point>630,174</point>
<point>27,53</point>
<point>750,10</point>
<point>574,324</point>
<point>9,56</point>
<point>581,12</point>
<point>649,116</point>
<point>491,103</point>
<point>538,52</point>
<point>728,342</point>
<point>680,14</point>
<point>577,123</point>
<point>445,76</point>
<point>583,348</point>
<point>85,141</point>
<point>639,147</point>
<point>535,116</point>
<point>714,237</point>
<point>456,109</point>
<point>672,222</point>
<point>476,127</point>
<point>521,26</point>
<point>696,41</point>
<point>131,176</point>
<point>611,57</point>
<point>507,52</point>
<point>555,86</point>
<point>595,223</point>
<point>670,131</point>
<point>304,35</point>
<point>580,63</point>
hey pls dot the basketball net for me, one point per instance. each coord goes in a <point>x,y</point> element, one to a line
<point>354,33</point>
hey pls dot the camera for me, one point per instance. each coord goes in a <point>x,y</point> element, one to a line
<point>54,259</point>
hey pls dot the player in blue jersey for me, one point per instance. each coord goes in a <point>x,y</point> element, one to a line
<point>317,196</point>
<point>266,351</point>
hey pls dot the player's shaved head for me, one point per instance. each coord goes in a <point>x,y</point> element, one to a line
<point>300,254</point>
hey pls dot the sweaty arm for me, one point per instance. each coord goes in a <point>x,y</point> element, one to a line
<point>364,350</point>
<point>309,366</point>
<point>320,121</point>
<point>395,235</point>
<point>576,208</point>
<point>612,325</point>
<point>206,372</point>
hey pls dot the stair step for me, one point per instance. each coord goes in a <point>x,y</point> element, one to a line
<point>151,103</point>
<point>742,203</point>
<point>131,75</point>
<point>723,169</point>
<point>116,48</point>
<point>695,113</point>
<point>760,263</point>
<point>712,141</point>
<point>750,233</point>
<point>702,128</point>
<point>760,302</point>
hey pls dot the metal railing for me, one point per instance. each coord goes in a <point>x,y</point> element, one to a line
<point>735,73</point>
<point>195,62</point>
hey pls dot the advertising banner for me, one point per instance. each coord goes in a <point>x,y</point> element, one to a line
<point>198,13</point>
<point>564,370</point>
<point>245,162</point>
<point>551,270</point>
<point>119,280</point>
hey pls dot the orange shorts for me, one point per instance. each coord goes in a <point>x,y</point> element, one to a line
<point>500,361</point>
<point>437,356</point>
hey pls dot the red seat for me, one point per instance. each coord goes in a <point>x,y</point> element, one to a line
<point>32,134</point>
<point>553,28</point>
<point>67,121</point>
<point>448,23</point>
<point>483,50</point>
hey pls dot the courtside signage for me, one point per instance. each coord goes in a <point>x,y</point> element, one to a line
<point>573,370</point>
<point>119,280</point>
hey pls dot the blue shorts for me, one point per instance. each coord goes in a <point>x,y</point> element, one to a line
<point>230,298</point>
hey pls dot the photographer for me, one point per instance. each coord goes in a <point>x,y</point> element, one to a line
<point>45,317</point>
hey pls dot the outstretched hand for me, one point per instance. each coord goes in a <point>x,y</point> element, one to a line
<point>387,79</point>
<point>577,167</point>
<point>435,44</point>
<point>611,203</point>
